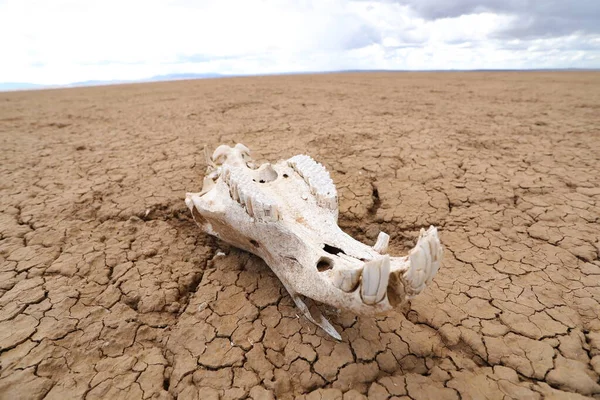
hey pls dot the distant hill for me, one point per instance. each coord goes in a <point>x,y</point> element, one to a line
<point>10,86</point>
<point>4,87</point>
<point>174,77</point>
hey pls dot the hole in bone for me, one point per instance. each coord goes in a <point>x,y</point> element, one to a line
<point>286,176</point>
<point>254,243</point>
<point>324,264</point>
<point>332,249</point>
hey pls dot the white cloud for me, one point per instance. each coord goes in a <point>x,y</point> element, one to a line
<point>63,41</point>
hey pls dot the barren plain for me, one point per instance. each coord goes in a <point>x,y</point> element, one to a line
<point>109,291</point>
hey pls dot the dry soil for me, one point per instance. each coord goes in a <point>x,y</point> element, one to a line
<point>109,291</point>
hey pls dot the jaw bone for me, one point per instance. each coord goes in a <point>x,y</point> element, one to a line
<point>287,214</point>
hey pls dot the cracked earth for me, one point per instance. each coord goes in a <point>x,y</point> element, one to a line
<point>109,290</point>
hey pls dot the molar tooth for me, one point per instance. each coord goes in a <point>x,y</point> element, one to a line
<point>370,280</point>
<point>435,251</point>
<point>384,276</point>
<point>266,210</point>
<point>376,274</point>
<point>345,279</point>
<point>249,206</point>
<point>271,211</point>
<point>418,270</point>
<point>257,206</point>
<point>235,193</point>
<point>275,213</point>
<point>381,245</point>
<point>435,248</point>
<point>426,250</point>
<point>226,175</point>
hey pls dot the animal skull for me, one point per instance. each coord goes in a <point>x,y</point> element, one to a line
<point>287,215</point>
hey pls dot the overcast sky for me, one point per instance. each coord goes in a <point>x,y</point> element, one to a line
<point>63,41</point>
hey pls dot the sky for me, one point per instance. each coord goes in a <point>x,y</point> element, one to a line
<point>56,42</point>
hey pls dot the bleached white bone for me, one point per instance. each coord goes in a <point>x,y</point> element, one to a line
<point>286,214</point>
<point>220,153</point>
<point>381,245</point>
<point>317,178</point>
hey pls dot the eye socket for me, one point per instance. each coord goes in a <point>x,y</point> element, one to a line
<point>324,264</point>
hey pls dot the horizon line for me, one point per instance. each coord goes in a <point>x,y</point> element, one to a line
<point>27,86</point>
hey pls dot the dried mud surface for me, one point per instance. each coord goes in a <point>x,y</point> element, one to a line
<point>109,291</point>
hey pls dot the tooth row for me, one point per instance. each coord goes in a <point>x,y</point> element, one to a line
<point>318,179</point>
<point>425,259</point>
<point>243,190</point>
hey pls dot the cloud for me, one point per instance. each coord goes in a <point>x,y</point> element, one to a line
<point>532,18</point>
<point>66,41</point>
